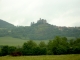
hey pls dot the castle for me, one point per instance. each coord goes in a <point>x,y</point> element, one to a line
<point>42,21</point>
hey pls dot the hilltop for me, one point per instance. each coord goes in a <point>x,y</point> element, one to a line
<point>41,30</point>
<point>4,24</point>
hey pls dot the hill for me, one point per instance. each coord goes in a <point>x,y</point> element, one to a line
<point>10,41</point>
<point>41,30</point>
<point>4,24</point>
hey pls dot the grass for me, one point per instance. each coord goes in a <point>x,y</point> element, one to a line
<point>18,42</point>
<point>15,41</point>
<point>11,41</point>
<point>45,57</point>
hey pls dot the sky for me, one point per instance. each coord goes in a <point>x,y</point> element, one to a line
<point>56,12</point>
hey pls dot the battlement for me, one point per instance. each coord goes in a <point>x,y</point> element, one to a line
<point>42,21</point>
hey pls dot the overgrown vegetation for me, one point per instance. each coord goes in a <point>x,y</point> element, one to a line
<point>57,46</point>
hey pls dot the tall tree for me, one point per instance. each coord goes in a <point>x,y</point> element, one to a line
<point>28,47</point>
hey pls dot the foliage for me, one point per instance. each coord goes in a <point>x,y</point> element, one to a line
<point>4,51</point>
<point>28,47</point>
<point>4,24</point>
<point>57,46</point>
<point>37,31</point>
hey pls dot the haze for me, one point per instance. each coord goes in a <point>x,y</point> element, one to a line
<point>56,12</point>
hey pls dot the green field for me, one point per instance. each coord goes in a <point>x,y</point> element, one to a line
<point>19,42</point>
<point>45,57</point>
<point>15,41</point>
<point>11,41</point>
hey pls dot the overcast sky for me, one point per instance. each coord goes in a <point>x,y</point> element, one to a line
<point>56,12</point>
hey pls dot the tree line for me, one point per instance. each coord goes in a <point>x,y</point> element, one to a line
<point>57,46</point>
<point>37,31</point>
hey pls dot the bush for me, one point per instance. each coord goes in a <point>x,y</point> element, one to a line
<point>4,50</point>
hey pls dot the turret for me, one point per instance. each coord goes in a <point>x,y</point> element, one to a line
<point>42,21</point>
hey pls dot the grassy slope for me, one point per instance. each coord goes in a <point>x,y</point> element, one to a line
<point>18,42</point>
<point>11,41</point>
<point>15,41</point>
<point>46,57</point>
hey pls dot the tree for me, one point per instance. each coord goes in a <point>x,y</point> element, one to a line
<point>49,47</point>
<point>60,45</point>
<point>11,49</point>
<point>28,47</point>
<point>42,44</point>
<point>4,50</point>
<point>43,49</point>
<point>76,46</point>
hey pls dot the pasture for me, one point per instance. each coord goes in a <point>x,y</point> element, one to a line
<point>19,42</point>
<point>16,41</point>
<point>43,57</point>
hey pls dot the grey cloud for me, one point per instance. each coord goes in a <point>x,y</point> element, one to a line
<point>23,12</point>
<point>76,24</point>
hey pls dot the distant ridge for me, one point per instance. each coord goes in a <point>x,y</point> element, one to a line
<point>41,30</point>
<point>4,24</point>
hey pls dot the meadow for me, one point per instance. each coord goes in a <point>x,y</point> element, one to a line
<point>16,41</point>
<point>43,57</point>
<point>19,42</point>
